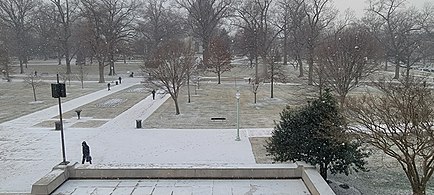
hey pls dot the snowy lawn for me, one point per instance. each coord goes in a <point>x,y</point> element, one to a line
<point>16,98</point>
<point>385,176</point>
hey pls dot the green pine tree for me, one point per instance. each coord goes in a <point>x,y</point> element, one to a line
<point>316,134</point>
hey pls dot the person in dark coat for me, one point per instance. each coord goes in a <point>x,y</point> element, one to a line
<point>120,80</point>
<point>153,94</point>
<point>108,86</point>
<point>86,153</point>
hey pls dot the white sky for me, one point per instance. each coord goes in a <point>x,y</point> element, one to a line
<point>358,6</point>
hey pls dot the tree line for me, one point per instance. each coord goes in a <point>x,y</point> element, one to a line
<point>298,31</point>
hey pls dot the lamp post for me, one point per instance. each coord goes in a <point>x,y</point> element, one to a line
<point>237,95</point>
<point>58,90</point>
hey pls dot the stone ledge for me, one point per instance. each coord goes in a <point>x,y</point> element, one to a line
<point>62,173</point>
<point>50,182</point>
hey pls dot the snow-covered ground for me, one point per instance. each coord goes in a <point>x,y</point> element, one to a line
<point>28,153</point>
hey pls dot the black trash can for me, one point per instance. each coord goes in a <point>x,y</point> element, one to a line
<point>57,125</point>
<point>138,124</point>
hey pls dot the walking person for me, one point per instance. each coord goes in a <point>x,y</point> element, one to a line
<point>86,153</point>
<point>120,80</point>
<point>108,86</point>
<point>153,94</point>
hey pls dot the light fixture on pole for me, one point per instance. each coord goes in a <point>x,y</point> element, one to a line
<point>58,90</point>
<point>237,95</point>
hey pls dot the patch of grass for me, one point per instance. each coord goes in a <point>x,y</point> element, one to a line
<point>89,124</point>
<point>46,124</point>
<point>110,106</point>
<point>385,176</point>
<point>16,98</point>
<point>218,100</point>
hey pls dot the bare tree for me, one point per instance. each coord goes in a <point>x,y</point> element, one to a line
<point>33,81</point>
<point>92,30</point>
<point>296,33</point>
<point>397,29</point>
<point>169,68</point>
<point>427,23</point>
<point>160,23</point>
<point>205,15</point>
<point>277,72</point>
<point>255,87</point>
<point>220,55</point>
<point>16,15</point>
<point>255,19</point>
<point>293,27</point>
<point>344,58</point>
<point>82,74</point>
<point>67,13</point>
<point>110,22</point>
<point>45,30</point>
<point>319,14</point>
<point>400,122</point>
<point>245,45</point>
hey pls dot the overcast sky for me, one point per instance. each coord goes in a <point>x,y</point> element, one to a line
<point>358,6</point>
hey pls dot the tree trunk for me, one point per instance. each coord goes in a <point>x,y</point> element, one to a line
<point>285,47</point>
<point>386,64</point>
<point>205,54</point>
<point>255,98</point>
<point>300,64</point>
<point>342,100</point>
<point>67,58</point>
<point>101,72</point>
<point>218,75</point>
<point>112,64</point>
<point>21,67</point>
<point>310,64</point>
<point>272,80</point>
<point>419,189</point>
<point>188,87</point>
<point>175,100</point>
<point>256,72</point>
<point>407,73</point>
<point>397,70</point>
<point>59,58</point>
<point>34,92</point>
<point>323,171</point>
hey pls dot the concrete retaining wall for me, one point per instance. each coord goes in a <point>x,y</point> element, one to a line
<point>60,174</point>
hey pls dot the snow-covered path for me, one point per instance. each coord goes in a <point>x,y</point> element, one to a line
<point>27,154</point>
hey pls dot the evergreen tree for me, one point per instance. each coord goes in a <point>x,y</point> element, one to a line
<point>316,134</point>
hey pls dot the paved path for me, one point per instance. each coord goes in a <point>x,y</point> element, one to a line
<point>28,153</point>
<point>36,117</point>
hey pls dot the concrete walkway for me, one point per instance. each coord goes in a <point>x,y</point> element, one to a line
<point>36,117</point>
<point>28,153</point>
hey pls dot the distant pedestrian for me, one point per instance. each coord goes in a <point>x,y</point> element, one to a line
<point>250,80</point>
<point>108,86</point>
<point>36,73</point>
<point>153,94</point>
<point>86,153</point>
<point>132,74</point>
<point>120,80</point>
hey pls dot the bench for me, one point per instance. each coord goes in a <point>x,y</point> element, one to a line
<point>218,118</point>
